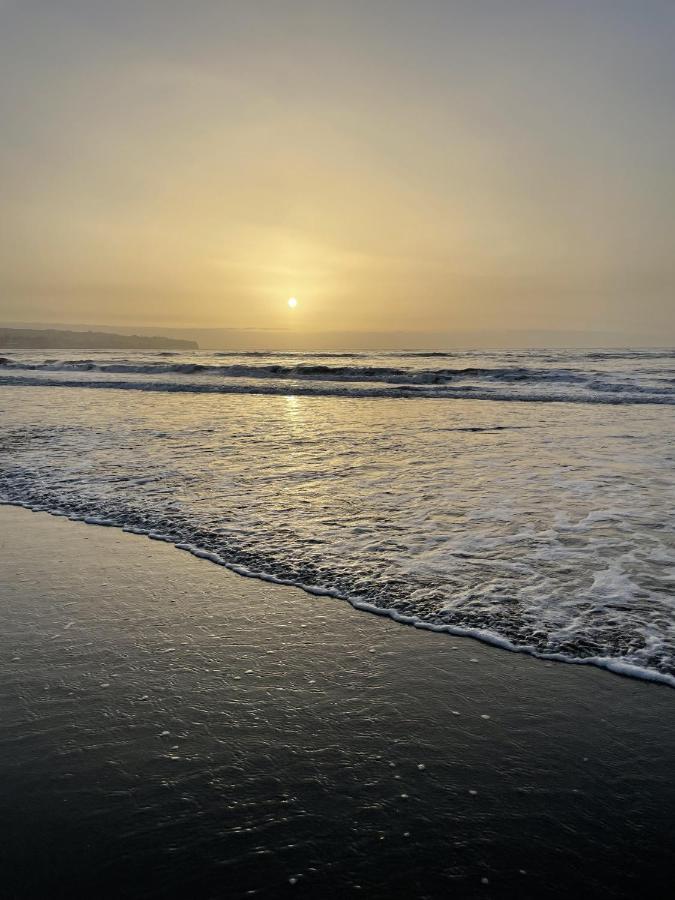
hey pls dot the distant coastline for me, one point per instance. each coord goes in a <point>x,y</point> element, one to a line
<point>39,339</point>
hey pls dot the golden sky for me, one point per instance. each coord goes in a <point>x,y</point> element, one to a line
<point>412,168</point>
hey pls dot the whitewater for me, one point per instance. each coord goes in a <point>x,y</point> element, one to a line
<point>524,498</point>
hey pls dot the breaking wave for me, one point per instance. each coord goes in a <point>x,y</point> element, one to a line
<point>607,377</point>
<point>602,394</point>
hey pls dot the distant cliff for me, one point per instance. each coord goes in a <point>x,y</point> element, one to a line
<point>38,339</point>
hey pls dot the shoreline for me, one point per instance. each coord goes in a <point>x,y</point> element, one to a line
<point>172,730</point>
<point>609,664</point>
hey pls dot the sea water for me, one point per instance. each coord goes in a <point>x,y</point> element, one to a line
<point>525,498</point>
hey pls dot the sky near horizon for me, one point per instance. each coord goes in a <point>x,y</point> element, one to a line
<point>431,167</point>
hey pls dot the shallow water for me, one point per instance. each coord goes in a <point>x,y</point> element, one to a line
<point>545,525</point>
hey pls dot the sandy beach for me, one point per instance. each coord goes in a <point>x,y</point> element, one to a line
<point>172,729</point>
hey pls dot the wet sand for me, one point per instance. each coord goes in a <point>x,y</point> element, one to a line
<point>170,729</point>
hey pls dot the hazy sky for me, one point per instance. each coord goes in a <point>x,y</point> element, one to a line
<point>429,166</point>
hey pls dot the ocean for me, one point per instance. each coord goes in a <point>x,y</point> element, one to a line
<point>523,498</point>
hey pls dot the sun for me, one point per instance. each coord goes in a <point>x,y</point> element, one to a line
<point>292,302</point>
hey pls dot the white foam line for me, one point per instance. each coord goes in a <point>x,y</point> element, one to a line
<point>616,666</point>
